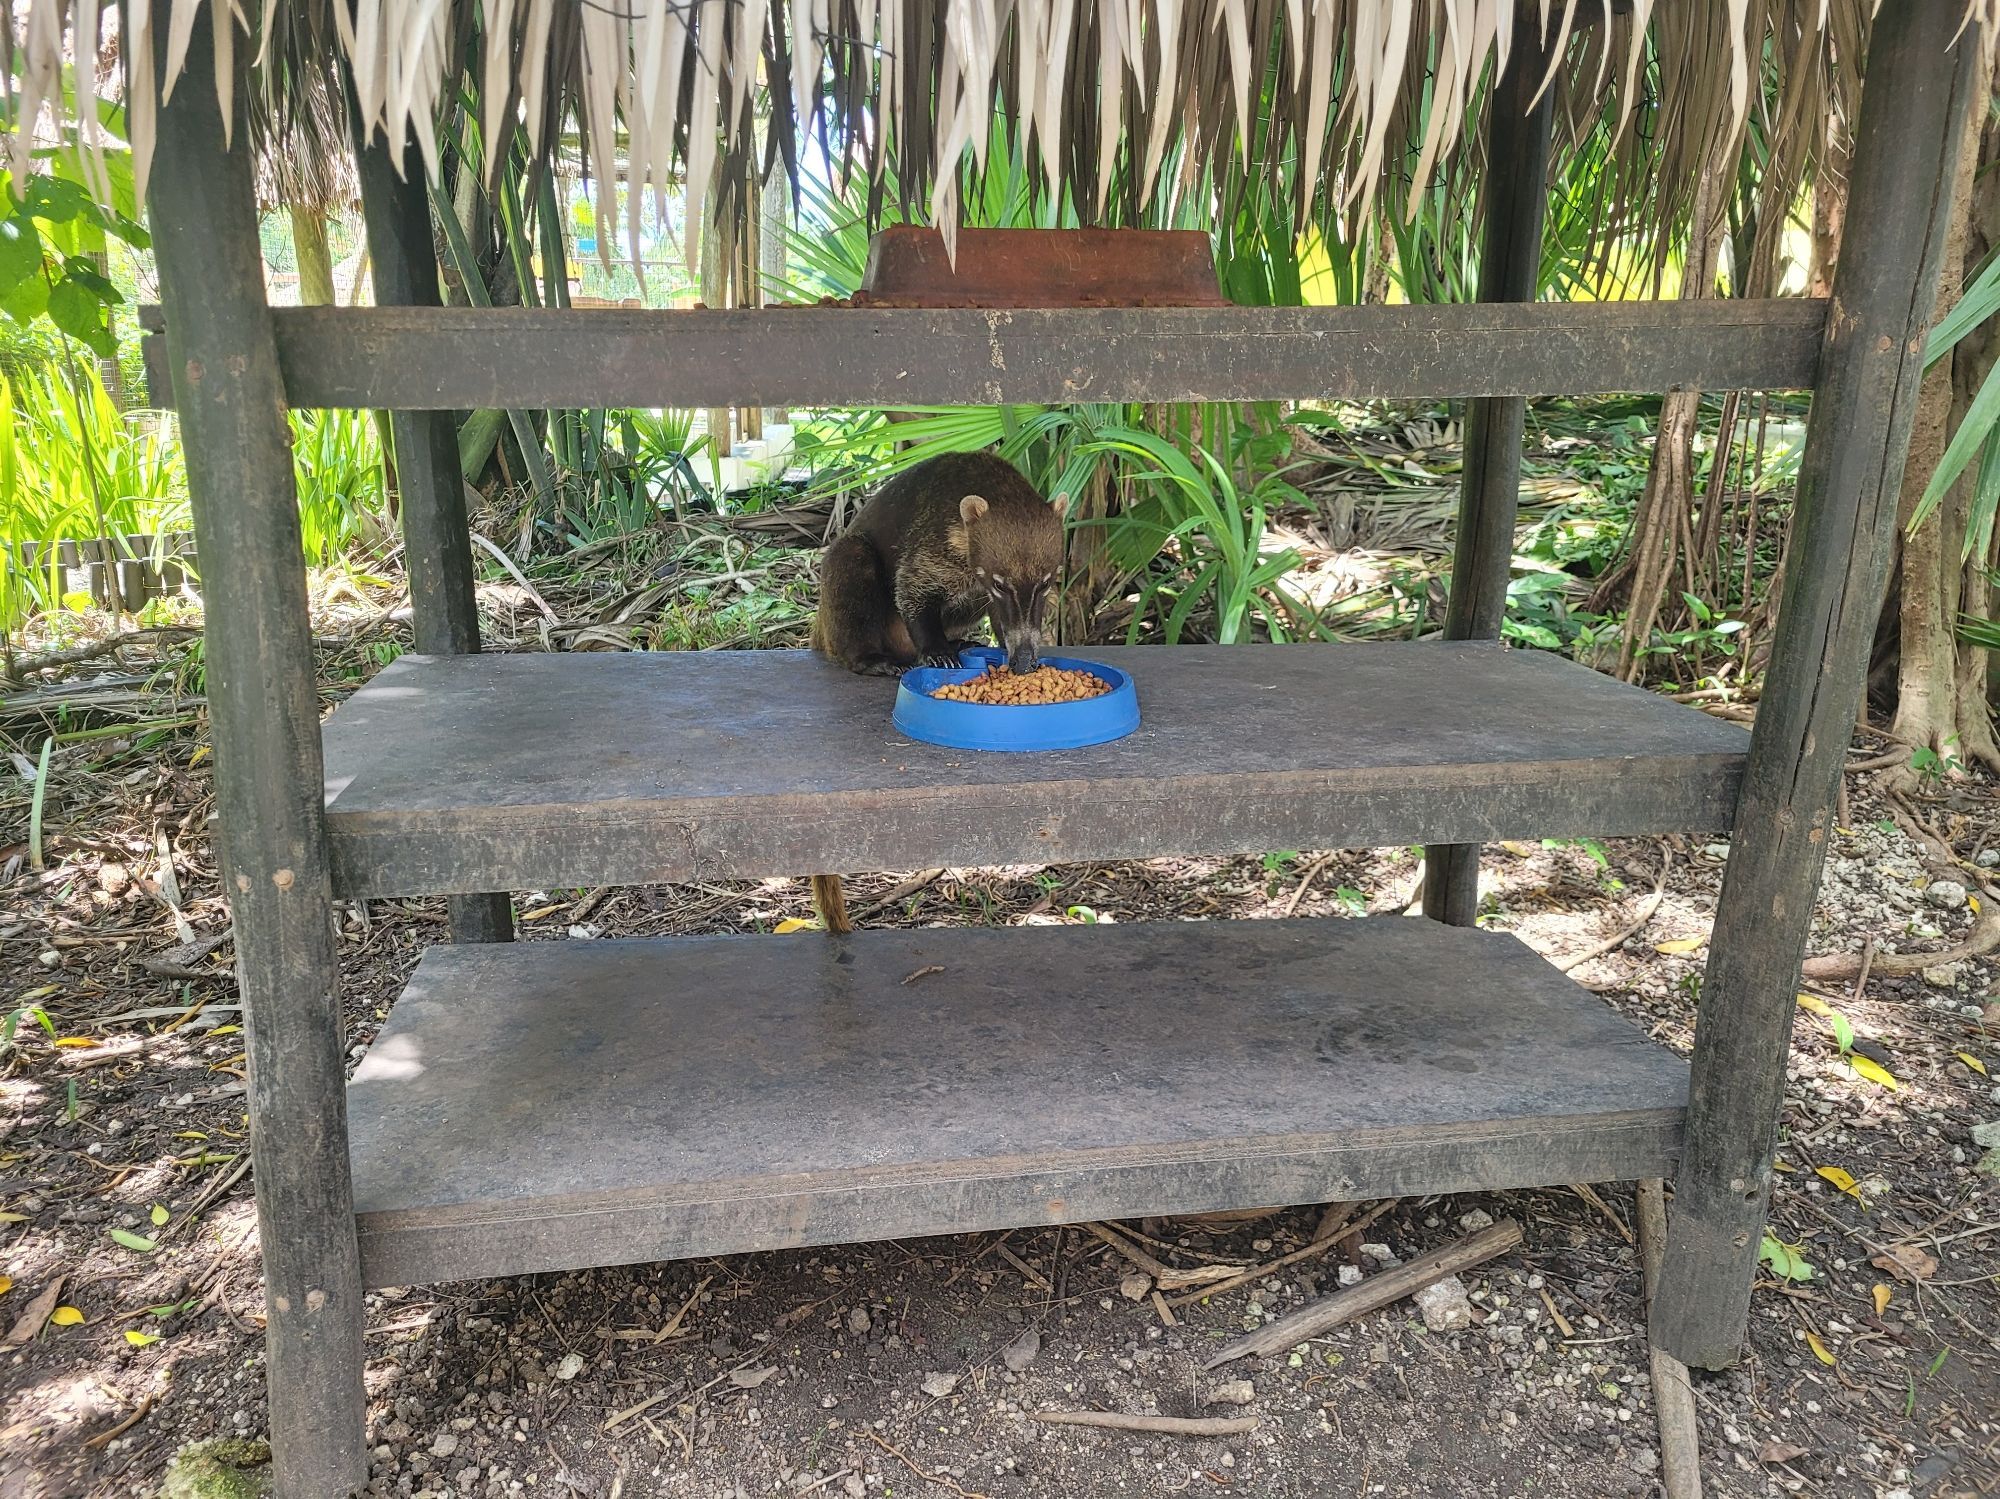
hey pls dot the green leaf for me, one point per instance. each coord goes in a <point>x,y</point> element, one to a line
<point>79,312</point>
<point>1981,418</point>
<point>1785,1261</point>
<point>159,1215</point>
<point>20,252</point>
<point>136,1242</point>
<point>28,300</point>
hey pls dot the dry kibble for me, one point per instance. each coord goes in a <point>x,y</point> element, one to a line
<point>1000,688</point>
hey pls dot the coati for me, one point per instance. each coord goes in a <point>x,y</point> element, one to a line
<point>952,539</point>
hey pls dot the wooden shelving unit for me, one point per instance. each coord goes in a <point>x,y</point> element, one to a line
<point>566,1104</point>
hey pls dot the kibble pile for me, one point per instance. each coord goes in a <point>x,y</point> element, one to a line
<point>999,687</point>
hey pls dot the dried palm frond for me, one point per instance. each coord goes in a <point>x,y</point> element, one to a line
<point>1144,97</point>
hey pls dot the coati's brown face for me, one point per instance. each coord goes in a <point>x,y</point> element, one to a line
<point>1017,558</point>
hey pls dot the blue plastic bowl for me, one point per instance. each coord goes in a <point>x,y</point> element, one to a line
<point>1046,726</point>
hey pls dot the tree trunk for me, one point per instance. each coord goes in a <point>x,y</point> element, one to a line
<point>315,256</point>
<point>1829,210</point>
<point>1661,530</point>
<point>775,207</point>
<point>1941,702</point>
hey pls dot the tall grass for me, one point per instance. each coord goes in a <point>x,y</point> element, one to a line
<point>73,467</point>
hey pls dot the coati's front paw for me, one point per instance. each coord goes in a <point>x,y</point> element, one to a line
<point>881,666</point>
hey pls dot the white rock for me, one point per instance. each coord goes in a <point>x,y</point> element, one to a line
<point>1231,1392</point>
<point>570,1367</point>
<point>1946,895</point>
<point>445,1445</point>
<point>858,1321</point>
<point>1380,1253</point>
<point>1445,1305</point>
<point>1020,1353</point>
<point>1135,1286</point>
<point>1986,1134</point>
<point>1943,975</point>
<point>1475,1220</point>
<point>938,1386</point>
<point>1350,1275</point>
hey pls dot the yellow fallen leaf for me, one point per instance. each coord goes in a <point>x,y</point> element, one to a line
<point>540,911</point>
<point>1973,901</point>
<point>6,1284</point>
<point>66,1316</point>
<point>1785,1166</point>
<point>1518,850</point>
<point>34,994</point>
<point>1873,1070</point>
<point>141,1339</point>
<point>1881,1293</point>
<point>190,1134</point>
<point>197,757</point>
<point>1814,1003</point>
<point>793,924</point>
<point>1973,1062</point>
<point>13,1217</point>
<point>76,1040</point>
<point>1844,832</point>
<point>1678,946</point>
<point>1819,1349</point>
<point>225,1030</point>
<point>1840,1179</point>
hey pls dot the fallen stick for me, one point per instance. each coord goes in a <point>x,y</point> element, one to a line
<point>1027,1271</point>
<point>1178,1426</point>
<point>1165,1276</point>
<point>1258,1272</point>
<point>1647,911</point>
<point>1373,1293</point>
<point>1673,1395</point>
<point>1834,967</point>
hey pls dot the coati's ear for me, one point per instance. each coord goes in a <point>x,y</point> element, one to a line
<point>971,508</point>
<point>1060,504</point>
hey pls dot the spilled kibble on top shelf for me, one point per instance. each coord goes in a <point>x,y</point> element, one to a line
<point>998,687</point>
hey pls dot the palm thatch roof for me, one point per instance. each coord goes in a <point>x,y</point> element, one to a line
<point>1125,102</point>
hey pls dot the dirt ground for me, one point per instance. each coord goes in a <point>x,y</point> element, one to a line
<point>917,1367</point>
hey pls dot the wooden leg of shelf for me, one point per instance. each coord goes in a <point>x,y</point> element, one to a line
<point>437,544</point>
<point>1515,191</point>
<point>481,918</point>
<point>1898,207</point>
<point>265,716</point>
<point>1451,883</point>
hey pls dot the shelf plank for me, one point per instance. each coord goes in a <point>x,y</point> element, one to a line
<point>457,774</point>
<point>554,1105</point>
<point>460,358</point>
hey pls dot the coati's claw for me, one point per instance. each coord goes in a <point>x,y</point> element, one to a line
<point>946,659</point>
<point>882,667</point>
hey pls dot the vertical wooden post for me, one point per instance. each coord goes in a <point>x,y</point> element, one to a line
<point>437,546</point>
<point>1899,207</point>
<point>265,715</point>
<point>1515,189</point>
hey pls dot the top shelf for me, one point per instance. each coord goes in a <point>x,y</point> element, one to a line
<point>458,774</point>
<point>463,359</point>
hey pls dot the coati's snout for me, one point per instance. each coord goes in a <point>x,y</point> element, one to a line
<point>1017,560</point>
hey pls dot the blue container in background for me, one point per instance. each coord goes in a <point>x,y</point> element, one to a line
<point>1045,726</point>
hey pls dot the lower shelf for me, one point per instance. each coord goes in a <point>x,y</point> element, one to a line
<point>555,1105</point>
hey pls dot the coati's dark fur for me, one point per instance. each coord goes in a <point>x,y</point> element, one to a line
<point>957,538</point>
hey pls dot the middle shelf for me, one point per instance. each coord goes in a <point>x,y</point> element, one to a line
<point>510,772</point>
